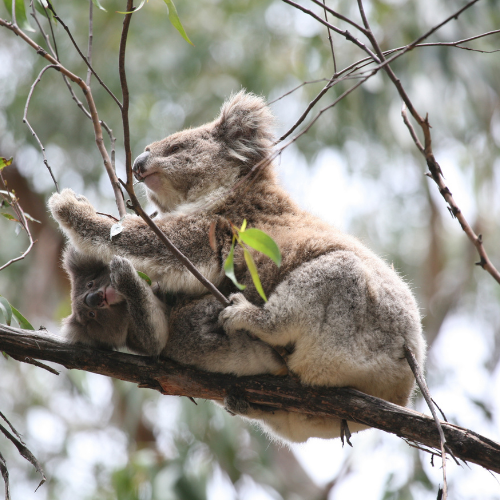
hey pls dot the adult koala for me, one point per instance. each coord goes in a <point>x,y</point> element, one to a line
<point>342,313</point>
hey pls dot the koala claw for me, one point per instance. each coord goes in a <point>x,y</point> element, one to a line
<point>65,204</point>
<point>122,273</point>
<point>234,316</point>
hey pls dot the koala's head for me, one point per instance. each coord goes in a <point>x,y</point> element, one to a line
<point>196,165</point>
<point>99,313</point>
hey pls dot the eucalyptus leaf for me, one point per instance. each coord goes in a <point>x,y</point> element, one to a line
<point>23,322</point>
<point>9,216</point>
<point>6,310</point>
<point>262,242</point>
<point>21,17</point>
<point>3,161</point>
<point>115,230</point>
<point>176,22</point>
<point>145,277</point>
<point>254,273</point>
<point>96,3</point>
<point>229,268</point>
<point>139,7</point>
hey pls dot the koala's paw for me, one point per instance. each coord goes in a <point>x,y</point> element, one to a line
<point>123,276</point>
<point>236,405</point>
<point>66,206</point>
<point>238,314</point>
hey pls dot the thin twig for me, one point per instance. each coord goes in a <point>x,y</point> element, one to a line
<point>91,36</point>
<point>25,120</point>
<point>129,184</point>
<point>24,452</point>
<point>415,368</point>
<point>330,38</point>
<point>339,16</point>
<point>21,219</point>
<point>125,92</point>
<point>344,33</point>
<point>81,54</point>
<point>92,109</point>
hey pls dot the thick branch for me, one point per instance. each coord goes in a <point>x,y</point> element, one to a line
<point>168,377</point>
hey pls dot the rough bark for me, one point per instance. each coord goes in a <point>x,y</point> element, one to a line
<point>270,392</point>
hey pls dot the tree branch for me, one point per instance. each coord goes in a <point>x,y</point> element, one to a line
<point>284,393</point>
<point>91,104</point>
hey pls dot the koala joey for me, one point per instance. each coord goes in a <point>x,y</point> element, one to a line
<point>342,313</point>
<point>112,307</point>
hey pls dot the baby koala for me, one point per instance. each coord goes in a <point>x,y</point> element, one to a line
<point>113,307</point>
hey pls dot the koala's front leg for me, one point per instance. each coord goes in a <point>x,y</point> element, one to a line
<point>270,322</point>
<point>88,231</point>
<point>148,331</point>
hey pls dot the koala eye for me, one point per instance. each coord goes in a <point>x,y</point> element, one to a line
<point>173,149</point>
<point>90,284</point>
<point>91,314</point>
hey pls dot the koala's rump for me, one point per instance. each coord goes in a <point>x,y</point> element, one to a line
<point>349,317</point>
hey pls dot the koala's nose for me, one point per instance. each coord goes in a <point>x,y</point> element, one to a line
<point>94,299</point>
<point>140,164</point>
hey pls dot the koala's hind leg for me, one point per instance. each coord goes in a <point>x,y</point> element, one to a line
<point>291,426</point>
<point>148,330</point>
<point>318,301</point>
<point>197,339</point>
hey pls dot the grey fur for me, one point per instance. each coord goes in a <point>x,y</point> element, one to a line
<point>187,331</point>
<point>345,313</point>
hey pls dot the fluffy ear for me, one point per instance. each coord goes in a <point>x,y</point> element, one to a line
<point>78,264</point>
<point>246,124</point>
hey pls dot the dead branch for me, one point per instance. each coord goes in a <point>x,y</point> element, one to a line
<point>284,393</point>
<point>12,199</point>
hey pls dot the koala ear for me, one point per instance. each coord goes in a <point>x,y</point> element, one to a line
<point>77,264</point>
<point>245,124</point>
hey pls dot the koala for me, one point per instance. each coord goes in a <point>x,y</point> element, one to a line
<point>342,314</point>
<point>112,307</point>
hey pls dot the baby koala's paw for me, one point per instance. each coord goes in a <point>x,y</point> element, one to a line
<point>124,277</point>
<point>66,206</point>
<point>236,316</point>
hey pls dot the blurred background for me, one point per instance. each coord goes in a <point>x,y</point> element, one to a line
<point>357,167</point>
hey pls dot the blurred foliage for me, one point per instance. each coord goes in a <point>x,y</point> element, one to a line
<point>357,166</point>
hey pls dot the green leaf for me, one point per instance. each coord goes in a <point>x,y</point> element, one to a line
<point>145,277</point>
<point>260,241</point>
<point>10,217</point>
<point>21,18</point>
<point>254,273</point>
<point>244,225</point>
<point>98,4</point>
<point>229,268</point>
<point>5,310</point>
<point>23,322</point>
<point>3,161</point>
<point>176,22</point>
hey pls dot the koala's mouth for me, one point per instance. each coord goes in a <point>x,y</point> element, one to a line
<point>110,297</point>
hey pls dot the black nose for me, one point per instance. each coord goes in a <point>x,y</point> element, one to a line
<point>140,163</point>
<point>94,299</point>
